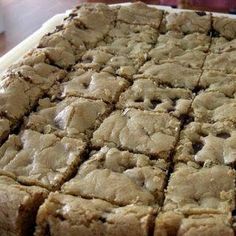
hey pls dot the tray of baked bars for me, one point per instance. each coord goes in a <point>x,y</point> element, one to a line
<point>120,120</point>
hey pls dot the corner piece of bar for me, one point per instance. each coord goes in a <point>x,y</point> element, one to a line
<point>40,159</point>
<point>19,205</point>
<point>140,13</point>
<point>175,223</point>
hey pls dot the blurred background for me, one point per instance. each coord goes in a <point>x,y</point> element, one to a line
<point>20,18</point>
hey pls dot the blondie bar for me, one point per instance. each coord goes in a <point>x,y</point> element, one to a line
<point>139,131</point>
<point>134,178</point>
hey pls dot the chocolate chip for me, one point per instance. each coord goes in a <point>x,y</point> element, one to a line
<point>59,27</point>
<point>201,13</point>
<point>202,134</point>
<point>197,146</point>
<point>88,59</point>
<point>102,219</point>
<point>61,217</point>
<point>155,102</point>
<point>213,33</point>
<point>139,100</point>
<point>186,119</point>
<point>85,85</point>
<point>170,109</point>
<point>234,212</point>
<point>197,89</point>
<point>174,101</point>
<point>223,135</point>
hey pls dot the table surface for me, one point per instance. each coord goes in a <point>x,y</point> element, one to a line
<point>23,17</point>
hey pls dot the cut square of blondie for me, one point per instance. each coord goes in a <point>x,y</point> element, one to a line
<point>40,159</point>
<point>212,189</point>
<point>140,33</point>
<point>120,177</point>
<point>17,97</point>
<point>66,215</point>
<point>212,80</point>
<point>194,41</point>
<point>72,117</point>
<point>103,58</point>
<point>220,45</point>
<point>211,107</point>
<point>98,17</point>
<point>174,47</point>
<point>188,22</point>
<point>203,143</point>
<point>128,48</point>
<point>170,74</point>
<point>94,85</point>
<point>139,131</point>
<point>89,24</point>
<point>224,62</point>
<point>173,54</point>
<point>19,205</point>
<point>140,14</point>
<point>225,27</point>
<point>174,223</point>
<point>23,85</point>
<point>59,39</point>
<point>222,56</point>
<point>145,94</point>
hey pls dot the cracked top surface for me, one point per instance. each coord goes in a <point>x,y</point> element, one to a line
<point>138,131</point>
<point>173,223</point>
<point>221,45</point>
<point>88,24</point>
<point>130,48</point>
<point>203,142</point>
<point>218,81</point>
<point>194,41</point>
<point>140,13</point>
<point>188,22</point>
<point>188,50</point>
<point>145,94</point>
<point>73,117</point>
<point>25,82</point>
<point>213,106</point>
<point>174,54</point>
<point>109,59</point>
<point>142,33</point>
<point>170,74</point>
<point>224,62</point>
<point>94,85</point>
<point>225,26</point>
<point>145,178</point>
<point>22,86</point>
<point>97,17</point>
<point>17,97</point>
<point>211,190</point>
<point>68,215</point>
<point>41,159</point>
<point>222,56</point>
